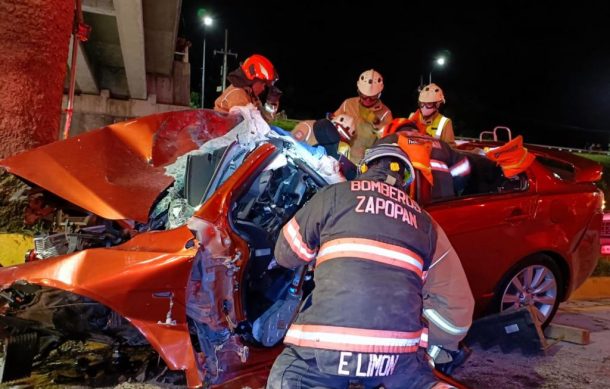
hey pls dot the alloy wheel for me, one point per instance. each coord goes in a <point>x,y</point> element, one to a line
<point>535,286</point>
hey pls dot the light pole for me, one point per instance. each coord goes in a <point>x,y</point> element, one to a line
<point>207,21</point>
<point>438,62</point>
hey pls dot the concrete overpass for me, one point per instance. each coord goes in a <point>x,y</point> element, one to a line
<point>129,66</point>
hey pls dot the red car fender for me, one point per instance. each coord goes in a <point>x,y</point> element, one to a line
<point>135,279</point>
<point>117,171</point>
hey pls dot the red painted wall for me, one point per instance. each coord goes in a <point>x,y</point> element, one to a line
<point>34,40</point>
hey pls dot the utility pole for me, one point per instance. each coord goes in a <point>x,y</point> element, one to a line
<point>225,53</point>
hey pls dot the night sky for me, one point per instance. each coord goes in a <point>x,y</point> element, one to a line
<point>541,68</point>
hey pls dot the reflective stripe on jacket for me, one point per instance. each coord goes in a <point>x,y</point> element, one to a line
<point>448,301</point>
<point>236,97</point>
<point>303,132</point>
<point>233,97</point>
<point>372,251</point>
<point>353,339</point>
<point>438,123</point>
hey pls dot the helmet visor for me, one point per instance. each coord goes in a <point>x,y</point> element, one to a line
<point>428,105</point>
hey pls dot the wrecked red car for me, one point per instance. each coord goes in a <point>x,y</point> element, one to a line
<point>169,227</point>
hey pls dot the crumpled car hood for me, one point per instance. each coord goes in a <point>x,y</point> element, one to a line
<point>117,171</point>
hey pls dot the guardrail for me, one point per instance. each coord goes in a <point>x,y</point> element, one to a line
<point>560,148</point>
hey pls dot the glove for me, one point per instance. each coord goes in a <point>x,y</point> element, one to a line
<point>457,359</point>
<point>272,103</point>
<point>273,96</point>
<point>273,264</point>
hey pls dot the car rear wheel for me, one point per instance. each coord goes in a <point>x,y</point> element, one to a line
<point>537,282</point>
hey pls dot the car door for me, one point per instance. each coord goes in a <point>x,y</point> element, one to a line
<point>234,297</point>
<point>488,231</point>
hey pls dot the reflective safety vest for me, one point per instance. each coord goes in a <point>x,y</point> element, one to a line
<point>371,245</point>
<point>434,129</point>
<point>437,126</point>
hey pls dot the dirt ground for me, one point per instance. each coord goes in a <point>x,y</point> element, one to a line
<point>565,365</point>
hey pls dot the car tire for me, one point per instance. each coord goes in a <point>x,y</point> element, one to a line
<point>536,281</point>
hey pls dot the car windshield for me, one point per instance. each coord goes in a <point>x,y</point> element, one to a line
<point>198,174</point>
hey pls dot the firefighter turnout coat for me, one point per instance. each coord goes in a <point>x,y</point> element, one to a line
<point>368,122</point>
<point>235,97</point>
<point>448,300</point>
<point>371,244</point>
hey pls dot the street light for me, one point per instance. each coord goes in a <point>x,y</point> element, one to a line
<point>207,21</point>
<point>438,62</point>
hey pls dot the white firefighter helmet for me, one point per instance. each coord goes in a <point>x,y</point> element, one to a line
<point>370,83</point>
<point>431,94</point>
<point>345,126</point>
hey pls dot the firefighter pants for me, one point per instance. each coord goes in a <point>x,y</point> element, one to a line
<point>304,368</point>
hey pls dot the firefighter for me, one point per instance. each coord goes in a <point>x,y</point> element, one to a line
<point>248,82</point>
<point>372,245</point>
<point>446,169</point>
<point>431,98</point>
<point>334,134</point>
<point>369,113</point>
<point>448,302</point>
